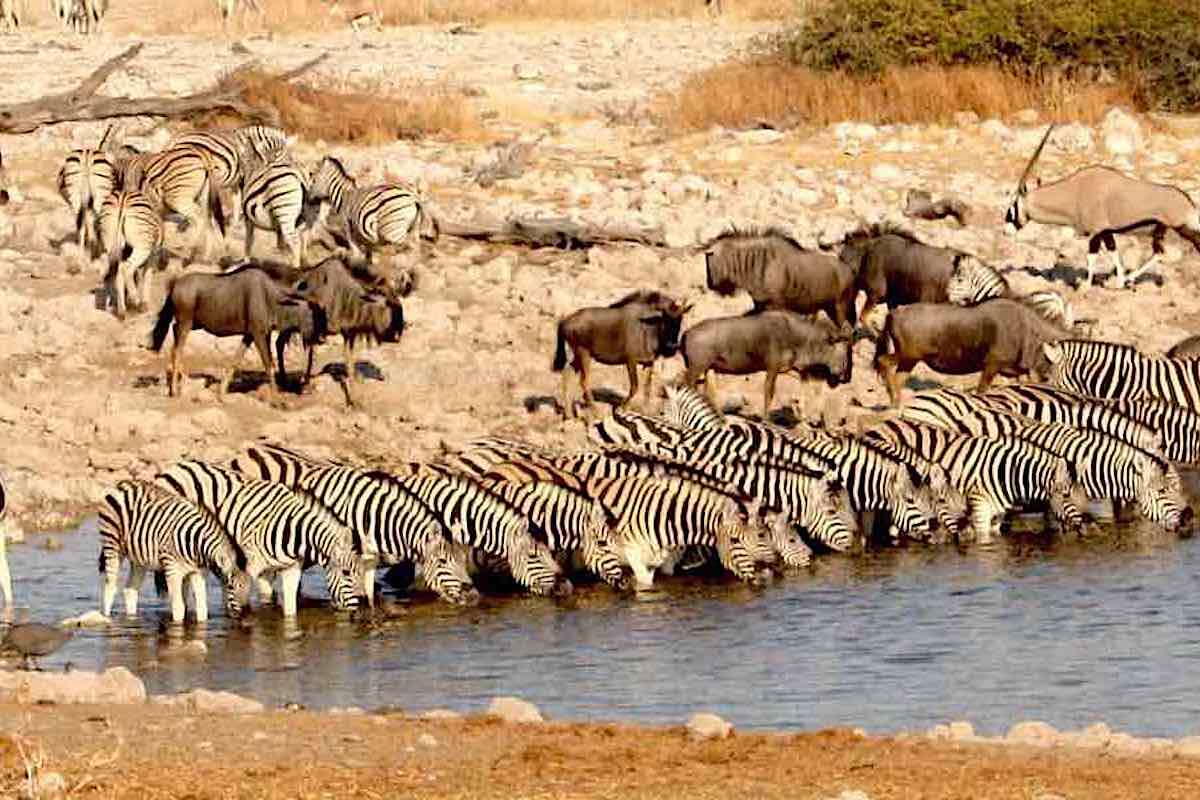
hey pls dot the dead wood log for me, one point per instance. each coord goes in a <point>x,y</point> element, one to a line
<point>84,104</point>
<point>560,232</point>
<point>919,204</point>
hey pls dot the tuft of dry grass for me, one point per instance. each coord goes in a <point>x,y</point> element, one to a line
<point>743,94</point>
<point>367,115</point>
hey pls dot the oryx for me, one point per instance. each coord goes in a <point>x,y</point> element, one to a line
<point>1100,202</point>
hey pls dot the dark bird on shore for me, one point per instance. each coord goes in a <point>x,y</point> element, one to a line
<point>32,640</point>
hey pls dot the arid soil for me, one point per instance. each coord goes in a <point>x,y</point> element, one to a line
<point>148,752</point>
<point>83,401</point>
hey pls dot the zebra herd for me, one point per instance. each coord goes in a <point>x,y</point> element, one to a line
<point>85,16</point>
<point>659,494</point>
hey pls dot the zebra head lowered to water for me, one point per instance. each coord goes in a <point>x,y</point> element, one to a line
<point>1099,203</point>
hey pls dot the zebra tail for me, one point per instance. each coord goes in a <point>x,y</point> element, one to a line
<point>163,324</point>
<point>560,351</point>
<point>214,204</point>
<point>160,582</point>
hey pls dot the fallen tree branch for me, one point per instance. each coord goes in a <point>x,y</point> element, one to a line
<point>84,104</point>
<point>561,232</point>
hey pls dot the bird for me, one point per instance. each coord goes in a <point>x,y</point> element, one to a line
<point>32,640</point>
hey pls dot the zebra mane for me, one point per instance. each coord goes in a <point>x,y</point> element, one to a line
<point>733,232</point>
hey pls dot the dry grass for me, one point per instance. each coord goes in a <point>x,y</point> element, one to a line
<point>739,94</point>
<point>318,15</point>
<point>367,115</point>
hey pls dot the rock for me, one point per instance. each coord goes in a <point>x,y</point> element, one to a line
<point>1188,747</point>
<point>44,785</point>
<point>1035,733</point>
<point>964,118</point>
<point>995,129</point>
<point>514,709</point>
<point>886,173</point>
<point>1075,137</point>
<point>939,732</point>
<point>116,685</point>
<point>1028,116</point>
<point>1048,796</point>
<point>51,544</point>
<point>426,740</point>
<point>852,794</point>
<point>961,730</point>
<point>865,132</point>
<point>1165,157</point>
<point>205,701</point>
<point>92,619</point>
<point>527,72</point>
<point>441,714</point>
<point>708,726</point>
<point>1093,737</point>
<point>806,197</point>
<point>1129,745</point>
<point>765,136</point>
<point>1121,133</point>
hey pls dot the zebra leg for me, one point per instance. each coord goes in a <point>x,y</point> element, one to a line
<point>175,594</point>
<point>133,585</point>
<point>369,582</point>
<point>289,589</point>
<point>266,592</point>
<point>109,575</point>
<point>199,595</point>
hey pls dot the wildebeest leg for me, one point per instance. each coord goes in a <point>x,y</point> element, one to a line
<point>631,368</point>
<point>583,364</point>
<point>241,353</point>
<point>175,368</point>
<point>888,370</point>
<point>1156,245</point>
<point>768,393</point>
<point>649,382</point>
<point>564,396</point>
<point>262,343</point>
<point>989,373</point>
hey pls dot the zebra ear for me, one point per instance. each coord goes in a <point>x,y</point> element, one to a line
<point>1053,352</point>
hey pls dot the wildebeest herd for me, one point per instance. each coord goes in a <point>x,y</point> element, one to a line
<point>693,488</point>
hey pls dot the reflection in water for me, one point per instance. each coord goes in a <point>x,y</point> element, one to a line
<point>1031,627</point>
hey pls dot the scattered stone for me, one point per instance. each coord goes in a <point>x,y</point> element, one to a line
<point>91,619</point>
<point>52,544</point>
<point>961,730</point>
<point>426,740</point>
<point>763,136</point>
<point>851,794</point>
<point>44,785</point>
<point>1121,133</point>
<point>514,709</point>
<point>441,714</point>
<point>1188,747</point>
<point>708,726</point>
<point>1034,733</point>
<point>206,701</point>
<point>527,72</point>
<point>965,118</point>
<point>259,736</point>
<point>886,173</point>
<point>1028,116</point>
<point>116,685</point>
<point>995,129</point>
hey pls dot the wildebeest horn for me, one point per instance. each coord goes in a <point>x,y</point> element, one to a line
<point>1033,161</point>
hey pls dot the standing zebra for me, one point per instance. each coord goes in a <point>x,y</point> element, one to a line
<point>278,530</point>
<point>159,531</point>
<point>231,152</point>
<point>394,523</point>
<point>659,517</point>
<point>995,475</point>
<point>227,8</point>
<point>10,20</point>
<point>184,181</point>
<point>489,524</point>
<point>275,197</point>
<point>375,217</point>
<point>85,181</point>
<point>81,16</point>
<point>131,232</point>
<point>974,282</point>
<point>1111,371</point>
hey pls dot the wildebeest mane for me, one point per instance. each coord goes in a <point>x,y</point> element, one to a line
<point>649,296</point>
<point>877,229</point>
<point>754,232</point>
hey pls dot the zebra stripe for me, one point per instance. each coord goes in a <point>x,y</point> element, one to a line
<point>279,530</point>
<point>974,282</point>
<point>687,408</point>
<point>378,216</point>
<point>232,151</point>
<point>84,181</point>
<point>391,524</point>
<point>486,522</point>
<point>572,521</point>
<point>996,475</point>
<point>1048,404</point>
<point>1111,371</point>
<point>659,517</point>
<point>131,232</point>
<point>1106,467</point>
<point>274,198</point>
<point>1178,427</point>
<point>156,530</point>
<point>182,180</point>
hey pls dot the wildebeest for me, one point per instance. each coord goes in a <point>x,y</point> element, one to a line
<point>637,329</point>
<point>351,309</point>
<point>895,268</point>
<point>774,342</point>
<point>1099,202</point>
<point>1188,348</point>
<point>245,302</point>
<point>779,273</point>
<point>997,337</point>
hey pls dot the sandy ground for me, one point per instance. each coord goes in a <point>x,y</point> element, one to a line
<point>149,752</point>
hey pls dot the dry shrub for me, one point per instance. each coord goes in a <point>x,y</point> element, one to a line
<point>744,94</point>
<point>360,115</point>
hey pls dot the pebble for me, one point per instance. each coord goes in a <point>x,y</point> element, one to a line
<point>1035,733</point>
<point>441,714</point>
<point>703,725</point>
<point>514,709</point>
<point>426,740</point>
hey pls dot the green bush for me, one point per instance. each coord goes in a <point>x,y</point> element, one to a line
<point>1152,44</point>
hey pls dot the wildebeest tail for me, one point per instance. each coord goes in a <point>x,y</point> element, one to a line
<point>560,351</point>
<point>162,325</point>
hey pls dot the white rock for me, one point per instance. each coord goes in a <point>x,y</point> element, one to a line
<point>527,72</point>
<point>116,685</point>
<point>964,118</point>
<point>1165,157</point>
<point>441,714</point>
<point>759,137</point>
<point>1028,116</point>
<point>1035,733</point>
<point>708,726</point>
<point>1121,133</point>
<point>995,129</point>
<point>886,173</point>
<point>44,785</point>
<point>806,197</point>
<point>426,740</point>
<point>1074,137</point>
<point>852,794</point>
<point>1188,747</point>
<point>731,155</point>
<point>865,132</point>
<point>514,709</point>
<point>961,730</point>
<point>205,701</point>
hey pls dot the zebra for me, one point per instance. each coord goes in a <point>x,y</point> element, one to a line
<point>487,523</point>
<point>10,20</point>
<point>1048,404</point>
<point>1106,467</point>
<point>231,150</point>
<point>995,475</point>
<point>156,530</point>
<point>85,181</point>
<point>393,525</point>
<point>227,8</point>
<point>80,16</point>
<point>479,456</point>
<point>278,530</point>
<point>573,523</point>
<point>687,408</point>
<point>384,215</point>
<point>1111,371</point>
<point>183,180</point>
<point>276,197</point>
<point>974,282</point>
<point>131,232</point>
<point>933,492</point>
<point>659,517</point>
<point>1178,427</point>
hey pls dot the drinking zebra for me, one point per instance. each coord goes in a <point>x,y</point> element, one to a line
<point>1048,404</point>
<point>1112,371</point>
<point>487,523</point>
<point>278,530</point>
<point>156,530</point>
<point>275,197</point>
<point>660,517</point>
<point>231,151</point>
<point>131,232</point>
<point>995,475</point>
<point>375,217</point>
<point>1178,427</point>
<point>687,408</point>
<point>395,526</point>
<point>1106,467</point>
<point>85,181</point>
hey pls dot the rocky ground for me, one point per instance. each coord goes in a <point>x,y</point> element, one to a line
<point>84,403</point>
